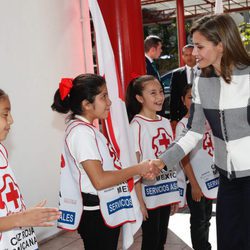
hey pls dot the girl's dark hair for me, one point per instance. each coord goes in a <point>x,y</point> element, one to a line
<point>184,93</point>
<point>134,88</point>
<point>2,94</point>
<point>186,89</point>
<point>222,28</point>
<point>85,87</point>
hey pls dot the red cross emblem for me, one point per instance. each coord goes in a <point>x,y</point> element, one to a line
<point>9,193</point>
<point>161,141</point>
<point>2,204</point>
<point>62,162</point>
<point>12,195</point>
<point>164,141</point>
<point>118,165</point>
<point>114,156</point>
<point>208,144</point>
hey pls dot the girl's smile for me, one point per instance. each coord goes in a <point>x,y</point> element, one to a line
<point>152,98</point>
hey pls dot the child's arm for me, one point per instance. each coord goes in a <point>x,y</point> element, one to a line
<point>139,194</point>
<point>141,201</point>
<point>103,179</point>
<point>174,208</point>
<point>196,190</point>
<point>38,216</point>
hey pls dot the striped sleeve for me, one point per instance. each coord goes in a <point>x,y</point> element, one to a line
<point>189,139</point>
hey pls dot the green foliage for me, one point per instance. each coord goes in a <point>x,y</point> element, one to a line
<point>245,34</point>
<point>168,33</point>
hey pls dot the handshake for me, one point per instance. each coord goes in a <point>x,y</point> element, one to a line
<point>149,169</point>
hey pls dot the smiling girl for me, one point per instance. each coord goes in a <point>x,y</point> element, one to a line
<point>15,220</point>
<point>152,135</point>
<point>94,194</point>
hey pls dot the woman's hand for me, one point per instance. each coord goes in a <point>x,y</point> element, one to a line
<point>148,170</point>
<point>158,163</point>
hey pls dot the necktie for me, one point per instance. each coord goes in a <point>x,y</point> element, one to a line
<point>155,68</point>
<point>192,76</point>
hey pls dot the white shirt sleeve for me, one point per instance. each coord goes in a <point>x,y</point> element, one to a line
<point>135,127</point>
<point>179,128</point>
<point>82,144</point>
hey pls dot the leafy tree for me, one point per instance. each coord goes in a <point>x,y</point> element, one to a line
<point>168,33</point>
<point>245,34</point>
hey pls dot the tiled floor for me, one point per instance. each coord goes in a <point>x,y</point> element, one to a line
<point>72,241</point>
<point>178,236</point>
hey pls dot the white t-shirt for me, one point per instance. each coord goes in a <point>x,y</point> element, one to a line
<point>85,142</point>
<point>152,138</point>
<point>11,201</point>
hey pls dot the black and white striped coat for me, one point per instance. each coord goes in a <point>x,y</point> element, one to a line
<point>227,109</point>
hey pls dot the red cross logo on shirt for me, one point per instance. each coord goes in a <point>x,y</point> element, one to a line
<point>2,204</point>
<point>164,141</point>
<point>161,141</point>
<point>208,144</point>
<point>114,156</point>
<point>12,195</point>
<point>62,162</point>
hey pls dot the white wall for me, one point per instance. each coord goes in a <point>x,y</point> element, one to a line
<point>40,42</point>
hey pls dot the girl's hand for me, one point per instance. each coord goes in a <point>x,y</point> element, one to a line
<point>174,208</point>
<point>158,163</point>
<point>38,216</point>
<point>196,193</point>
<point>144,211</point>
<point>148,171</point>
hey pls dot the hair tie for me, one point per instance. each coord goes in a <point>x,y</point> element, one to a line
<point>134,75</point>
<point>65,86</point>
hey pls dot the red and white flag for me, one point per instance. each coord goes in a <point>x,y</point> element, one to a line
<point>117,124</point>
<point>218,7</point>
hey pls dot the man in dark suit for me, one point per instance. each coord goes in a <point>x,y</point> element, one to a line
<point>180,78</point>
<point>153,49</point>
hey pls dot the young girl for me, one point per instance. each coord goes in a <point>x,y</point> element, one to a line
<point>89,164</point>
<point>202,184</point>
<point>16,221</point>
<point>152,135</point>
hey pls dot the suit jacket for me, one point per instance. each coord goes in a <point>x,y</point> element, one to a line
<point>150,70</point>
<point>178,82</point>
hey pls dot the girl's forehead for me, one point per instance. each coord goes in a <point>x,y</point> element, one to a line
<point>152,84</point>
<point>4,103</point>
<point>103,88</point>
<point>189,93</point>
